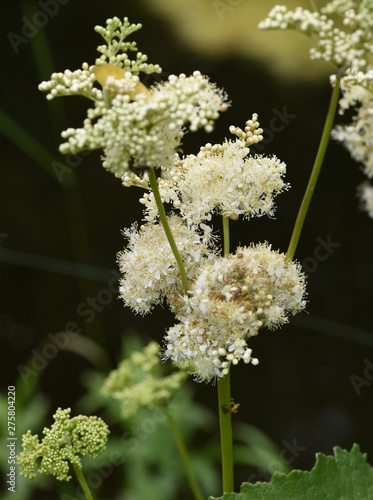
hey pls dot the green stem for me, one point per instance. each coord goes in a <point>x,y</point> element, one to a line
<point>224,399</point>
<point>83,482</point>
<point>184,457</point>
<point>167,229</point>
<point>226,235</point>
<point>225,414</point>
<point>315,170</point>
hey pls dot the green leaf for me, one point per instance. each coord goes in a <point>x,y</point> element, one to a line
<point>345,476</point>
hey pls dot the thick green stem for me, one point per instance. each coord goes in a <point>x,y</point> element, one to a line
<point>83,482</point>
<point>184,457</point>
<point>225,420</point>
<point>224,400</point>
<point>167,229</point>
<point>315,170</point>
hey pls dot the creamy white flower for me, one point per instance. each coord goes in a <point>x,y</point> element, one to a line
<point>229,301</point>
<point>224,179</point>
<point>149,267</point>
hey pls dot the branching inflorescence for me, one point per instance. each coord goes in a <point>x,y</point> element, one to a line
<point>229,298</point>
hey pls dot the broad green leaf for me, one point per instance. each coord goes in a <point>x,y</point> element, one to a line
<point>346,476</point>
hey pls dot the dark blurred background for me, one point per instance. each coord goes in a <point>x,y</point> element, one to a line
<point>59,235</point>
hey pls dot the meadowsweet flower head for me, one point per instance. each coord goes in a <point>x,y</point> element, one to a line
<point>224,179</point>
<point>229,301</point>
<point>349,47</point>
<point>149,267</point>
<point>138,381</point>
<point>136,127</point>
<point>62,445</point>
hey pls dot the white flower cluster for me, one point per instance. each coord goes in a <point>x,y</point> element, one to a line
<point>115,51</point>
<point>148,129</point>
<point>78,82</point>
<point>136,127</point>
<point>357,136</point>
<point>347,48</point>
<point>149,267</point>
<point>224,179</point>
<point>350,50</point>
<point>230,300</point>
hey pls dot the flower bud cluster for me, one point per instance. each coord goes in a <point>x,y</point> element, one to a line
<point>62,445</point>
<point>229,301</point>
<point>78,82</point>
<point>136,129</point>
<point>115,51</point>
<point>138,381</point>
<point>344,48</point>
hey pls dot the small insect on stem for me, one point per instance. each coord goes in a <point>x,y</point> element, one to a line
<point>234,406</point>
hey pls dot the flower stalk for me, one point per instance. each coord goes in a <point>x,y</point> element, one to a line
<point>225,420</point>
<point>184,457</point>
<point>315,170</point>
<point>83,482</point>
<point>166,226</point>
<point>224,401</point>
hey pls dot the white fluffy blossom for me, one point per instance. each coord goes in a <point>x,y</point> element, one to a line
<point>149,266</point>
<point>223,178</point>
<point>230,300</point>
